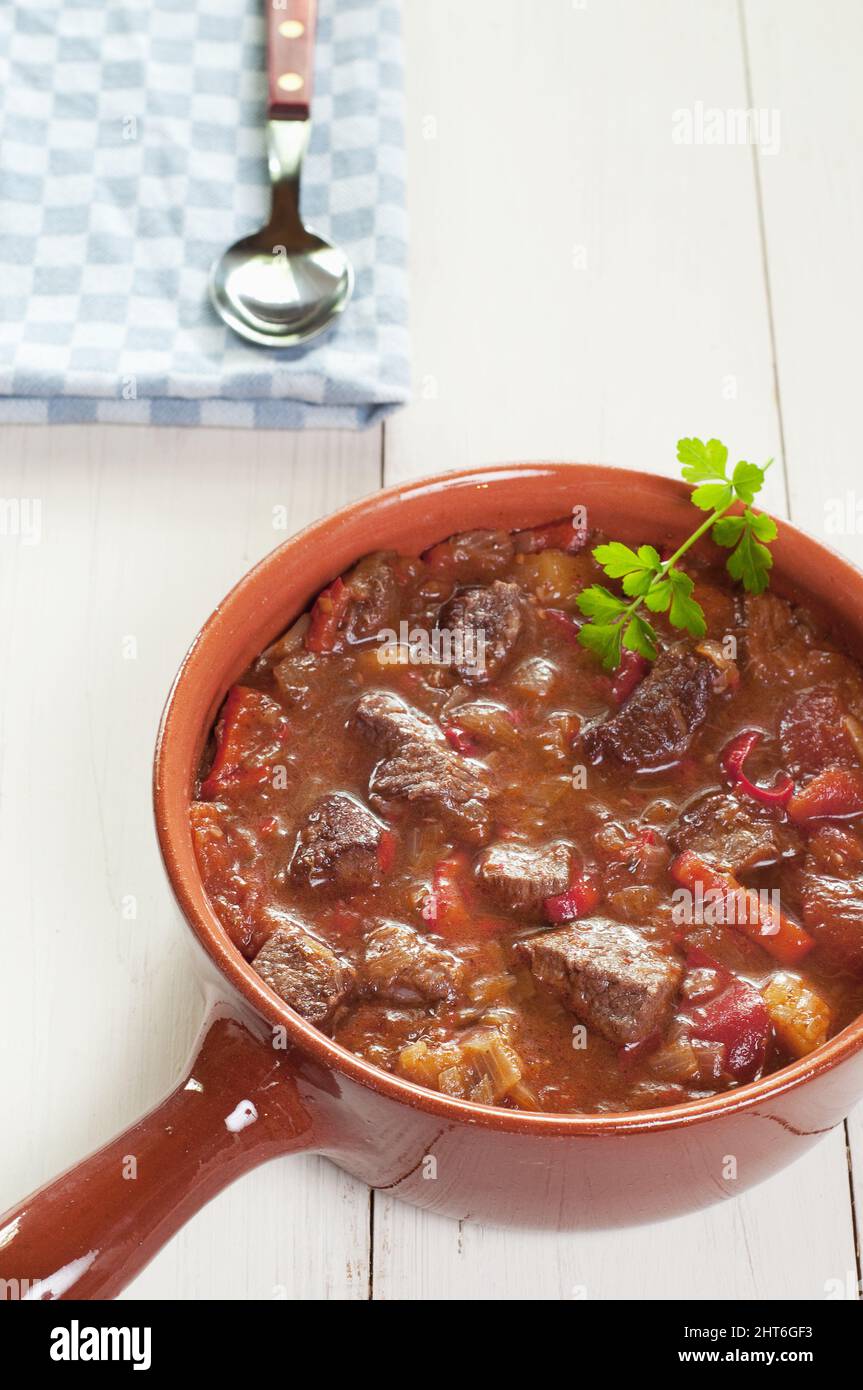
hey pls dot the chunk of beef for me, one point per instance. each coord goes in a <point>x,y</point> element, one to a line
<point>405,967</point>
<point>304,972</point>
<point>814,734</point>
<point>295,675</point>
<point>607,975</point>
<point>656,725</point>
<point>419,765</point>
<point>484,626</point>
<point>734,833</point>
<point>374,596</point>
<point>521,877</point>
<point>473,554</point>
<point>337,846</point>
<point>832,909</point>
<point>834,849</point>
<point>777,645</point>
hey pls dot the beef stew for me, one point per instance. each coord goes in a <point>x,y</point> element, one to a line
<point>443,834</point>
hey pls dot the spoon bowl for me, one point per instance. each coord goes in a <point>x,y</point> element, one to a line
<point>280,298</point>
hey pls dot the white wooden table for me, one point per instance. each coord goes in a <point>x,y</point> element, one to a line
<point>584,287</point>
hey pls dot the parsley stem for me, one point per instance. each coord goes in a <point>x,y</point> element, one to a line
<point>670,563</point>
<point>665,588</point>
<point>696,536</point>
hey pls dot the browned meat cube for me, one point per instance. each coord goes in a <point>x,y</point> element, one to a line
<point>304,972</point>
<point>419,765</point>
<point>833,913</point>
<point>405,967</point>
<point>814,734</point>
<point>734,833</point>
<point>607,974</point>
<point>374,590</point>
<point>521,877</point>
<point>473,555</point>
<point>834,849</point>
<point>778,648</point>
<point>657,723</point>
<point>337,846</point>
<point>484,627</point>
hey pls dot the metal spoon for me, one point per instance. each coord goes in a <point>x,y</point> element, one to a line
<point>284,284</point>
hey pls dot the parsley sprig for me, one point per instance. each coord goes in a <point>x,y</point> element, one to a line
<point>658,585</point>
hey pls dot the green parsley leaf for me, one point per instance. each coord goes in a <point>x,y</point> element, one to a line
<point>600,603</point>
<point>751,563</point>
<point>637,583</point>
<point>728,530</point>
<point>617,559</point>
<point>748,480</point>
<point>702,462</point>
<point>712,497</point>
<point>763,527</point>
<point>650,558</point>
<point>659,597</point>
<point>603,639</point>
<point>684,611</point>
<point>640,637</point>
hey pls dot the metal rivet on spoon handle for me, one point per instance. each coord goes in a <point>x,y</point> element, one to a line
<point>284,284</point>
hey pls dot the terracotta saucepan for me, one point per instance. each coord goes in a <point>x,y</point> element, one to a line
<point>246,1097</point>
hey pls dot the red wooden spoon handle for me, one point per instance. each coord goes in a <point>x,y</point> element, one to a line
<point>290,58</point>
<point>89,1232</point>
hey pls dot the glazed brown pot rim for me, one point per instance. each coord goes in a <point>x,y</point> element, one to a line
<point>231,964</point>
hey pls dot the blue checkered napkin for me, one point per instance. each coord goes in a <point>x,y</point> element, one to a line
<point>131,153</point>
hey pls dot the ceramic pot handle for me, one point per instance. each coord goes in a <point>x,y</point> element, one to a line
<point>89,1232</point>
<point>290,58</point>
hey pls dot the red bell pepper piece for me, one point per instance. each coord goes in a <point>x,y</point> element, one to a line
<point>744,909</point>
<point>838,793</point>
<point>386,851</point>
<point>446,907</point>
<point>326,618</point>
<point>232,869</point>
<point>736,1016</point>
<point>733,757</point>
<point>632,669</point>
<point>580,898</point>
<point>624,678</point>
<point>249,720</point>
<point>568,625</point>
<point>460,740</point>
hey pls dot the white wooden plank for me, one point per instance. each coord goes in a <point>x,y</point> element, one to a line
<point>582,286</point>
<point>143,532</point>
<point>759,1246</point>
<point>813,218</point>
<point>854,1131</point>
<point>805,63</point>
<point>556,135</point>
